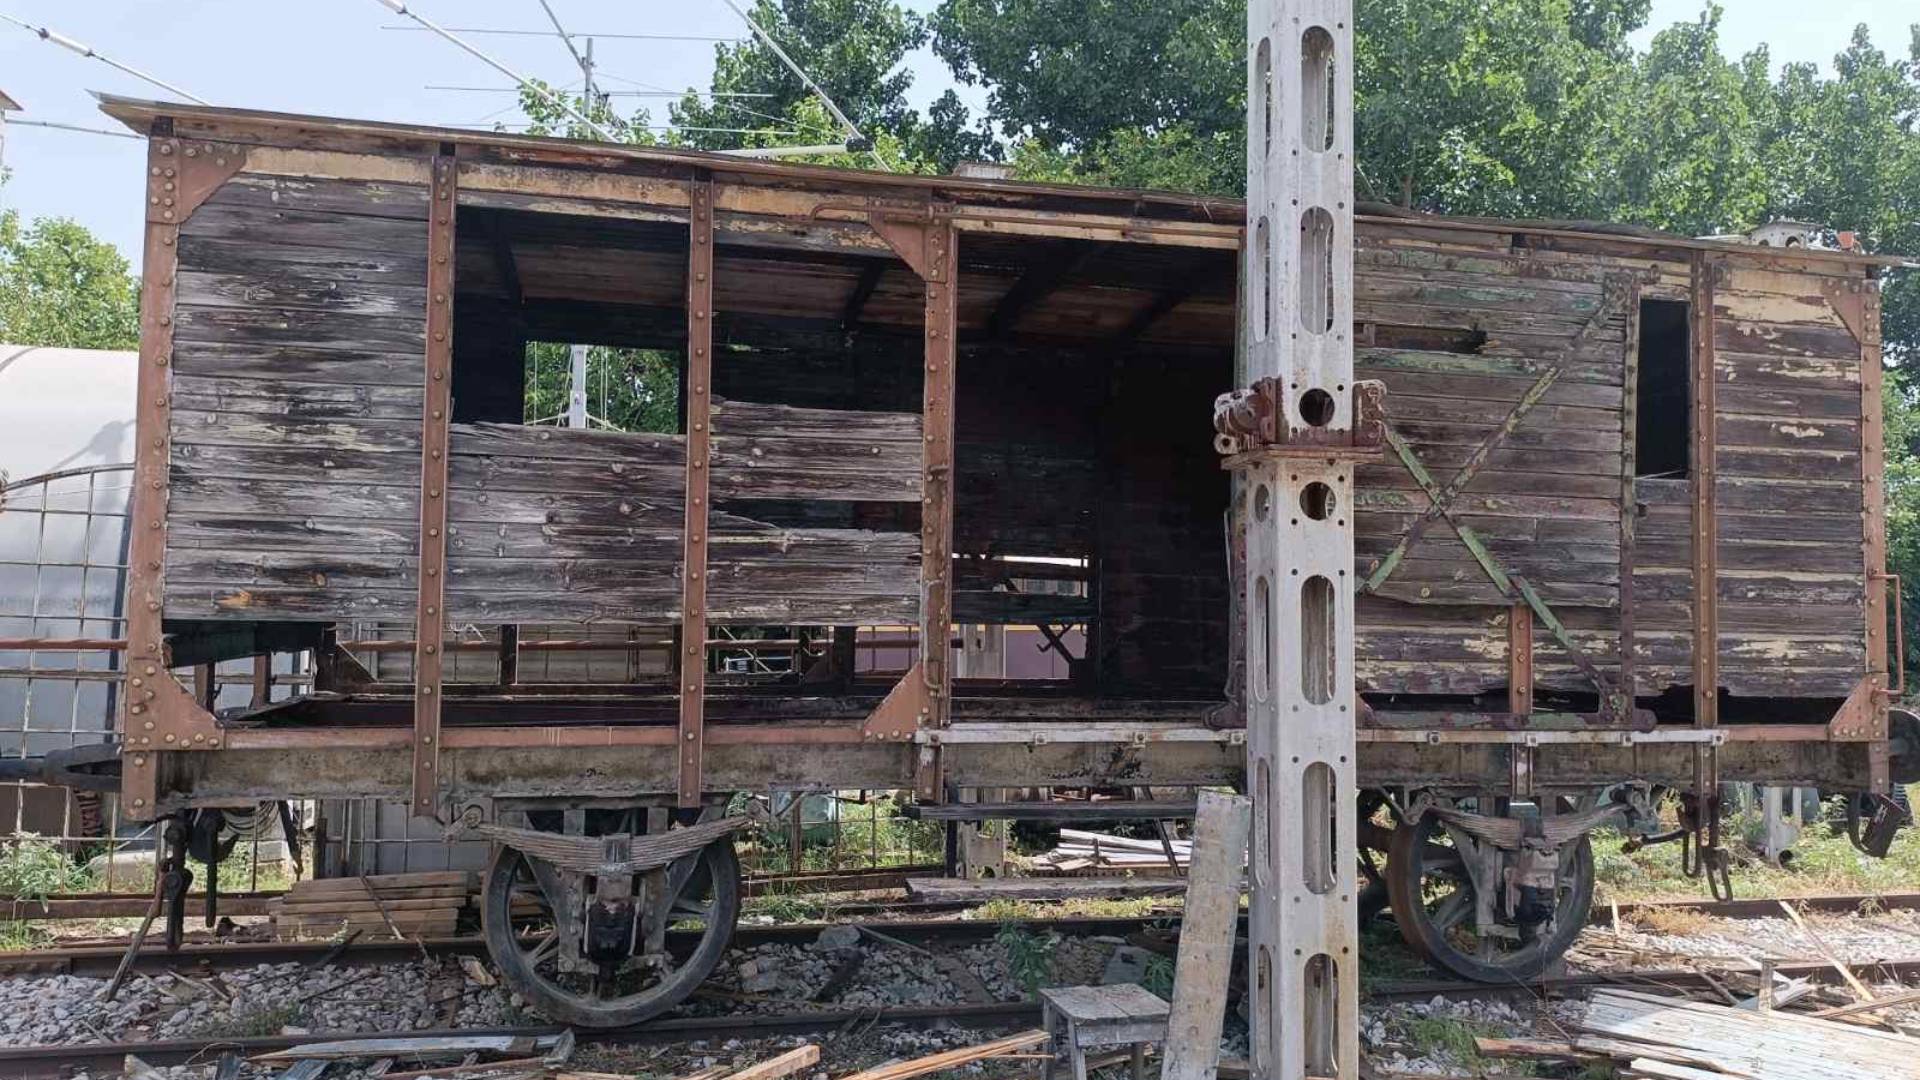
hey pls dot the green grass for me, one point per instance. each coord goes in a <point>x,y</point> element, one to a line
<point>1136,907</point>
<point>790,907</point>
<point>871,834</point>
<point>253,1023</point>
<point>1823,862</point>
<point>1029,955</point>
<point>1454,1037</point>
<point>34,868</point>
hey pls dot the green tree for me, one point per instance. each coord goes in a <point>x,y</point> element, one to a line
<point>1690,158</point>
<point>60,286</point>
<point>627,389</point>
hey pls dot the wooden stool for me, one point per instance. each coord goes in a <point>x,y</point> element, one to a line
<point>1096,1016</point>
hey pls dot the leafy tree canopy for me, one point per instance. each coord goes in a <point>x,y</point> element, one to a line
<point>62,287</point>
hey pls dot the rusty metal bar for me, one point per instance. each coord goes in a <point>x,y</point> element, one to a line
<point>63,644</point>
<point>1705,534</point>
<point>430,620</point>
<point>1520,692</point>
<point>1873,520</point>
<point>1520,659</point>
<point>693,590</point>
<point>1629,496</point>
<point>146,583</point>
<point>942,261</point>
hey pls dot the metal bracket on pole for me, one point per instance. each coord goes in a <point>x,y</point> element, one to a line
<point>1295,436</point>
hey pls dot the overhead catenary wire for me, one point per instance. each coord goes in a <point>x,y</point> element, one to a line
<point>65,42</point>
<point>852,129</point>
<point>612,93</point>
<point>16,122</point>
<point>609,37</point>
<point>532,87</point>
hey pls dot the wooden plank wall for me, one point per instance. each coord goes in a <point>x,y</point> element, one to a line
<point>300,331</point>
<point>1162,584</point>
<point>1791,588</point>
<point>1027,458</point>
<point>1546,503</point>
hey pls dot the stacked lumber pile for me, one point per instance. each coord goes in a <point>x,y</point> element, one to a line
<point>1653,1037</point>
<point>1083,852</point>
<point>399,905</point>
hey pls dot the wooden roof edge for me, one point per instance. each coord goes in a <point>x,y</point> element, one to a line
<point>139,115</point>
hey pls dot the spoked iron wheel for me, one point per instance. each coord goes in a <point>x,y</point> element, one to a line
<point>1433,904</point>
<point>521,934</point>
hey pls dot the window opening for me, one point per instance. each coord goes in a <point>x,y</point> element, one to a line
<point>631,390</point>
<point>1663,400</point>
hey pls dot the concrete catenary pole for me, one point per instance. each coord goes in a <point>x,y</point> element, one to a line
<point>1298,489</point>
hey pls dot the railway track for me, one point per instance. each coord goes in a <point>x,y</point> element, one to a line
<point>100,960</point>
<point>33,1062</point>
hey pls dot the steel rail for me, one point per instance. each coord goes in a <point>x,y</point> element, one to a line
<point>33,1062</point>
<point>98,960</point>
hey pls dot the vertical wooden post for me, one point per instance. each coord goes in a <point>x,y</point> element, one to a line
<point>941,282</point>
<point>1300,597</point>
<point>430,617</point>
<point>699,397</point>
<point>509,653</point>
<point>262,679</point>
<point>1706,533</point>
<point>1208,930</point>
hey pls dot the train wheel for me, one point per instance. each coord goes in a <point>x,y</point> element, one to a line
<point>1433,902</point>
<point>523,937</point>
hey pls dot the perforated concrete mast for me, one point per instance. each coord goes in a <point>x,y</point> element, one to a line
<point>1294,435</point>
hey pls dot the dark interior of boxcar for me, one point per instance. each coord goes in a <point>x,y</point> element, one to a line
<point>1089,497</point>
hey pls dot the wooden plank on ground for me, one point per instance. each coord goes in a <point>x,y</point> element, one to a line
<point>949,889</point>
<point>1776,1046</point>
<point>953,1059</point>
<point>1204,963</point>
<point>783,1065</point>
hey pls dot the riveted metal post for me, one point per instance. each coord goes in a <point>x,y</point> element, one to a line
<point>430,614</point>
<point>693,585</point>
<point>158,714</point>
<point>1299,588</point>
<point>942,262</point>
<point>1706,534</point>
<point>1873,523</point>
<point>1629,498</point>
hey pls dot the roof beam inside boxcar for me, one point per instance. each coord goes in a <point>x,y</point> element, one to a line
<point>862,292</point>
<point>1041,279</point>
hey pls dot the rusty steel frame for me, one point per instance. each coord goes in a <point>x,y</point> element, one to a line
<point>159,715</point>
<point>927,241</point>
<point>162,715</point>
<point>1705,534</point>
<point>1629,496</point>
<point>1520,690</point>
<point>430,620</point>
<point>1864,715</point>
<point>693,586</point>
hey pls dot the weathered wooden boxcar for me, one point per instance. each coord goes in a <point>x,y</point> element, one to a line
<point>1624,534</point>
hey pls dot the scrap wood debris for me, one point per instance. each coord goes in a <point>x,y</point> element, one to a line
<point>1080,850</point>
<point>1672,1038</point>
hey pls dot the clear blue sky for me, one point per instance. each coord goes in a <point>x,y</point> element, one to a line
<point>332,57</point>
